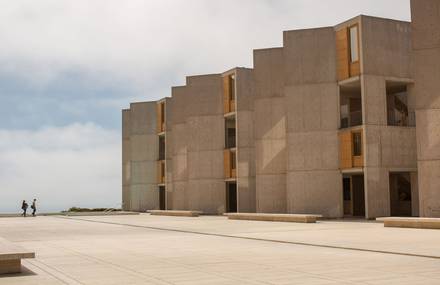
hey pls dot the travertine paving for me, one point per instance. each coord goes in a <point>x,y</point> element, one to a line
<point>148,249</point>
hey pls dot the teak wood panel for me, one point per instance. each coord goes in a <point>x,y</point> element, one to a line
<point>226,94</point>
<point>345,150</point>
<point>161,172</point>
<point>227,163</point>
<point>160,123</point>
<point>355,67</point>
<point>342,51</point>
<point>358,161</point>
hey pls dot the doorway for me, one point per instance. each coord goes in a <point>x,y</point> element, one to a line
<point>400,194</point>
<point>231,197</point>
<point>162,197</point>
<point>354,195</point>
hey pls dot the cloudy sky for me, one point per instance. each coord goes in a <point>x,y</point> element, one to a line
<point>67,68</point>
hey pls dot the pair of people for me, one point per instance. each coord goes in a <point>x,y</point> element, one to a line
<point>24,207</point>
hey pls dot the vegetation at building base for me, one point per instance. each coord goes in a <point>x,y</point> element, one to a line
<point>78,209</point>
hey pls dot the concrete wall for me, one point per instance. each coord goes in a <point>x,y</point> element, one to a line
<point>270,131</point>
<point>426,62</point>
<point>126,154</point>
<point>245,93</point>
<point>386,46</point>
<point>140,154</point>
<point>314,182</point>
<point>197,138</point>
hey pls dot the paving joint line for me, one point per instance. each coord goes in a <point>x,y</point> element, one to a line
<point>259,239</point>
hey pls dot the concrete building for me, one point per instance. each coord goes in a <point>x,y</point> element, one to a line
<point>325,124</point>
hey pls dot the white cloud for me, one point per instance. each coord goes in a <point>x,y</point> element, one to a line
<point>76,165</point>
<point>146,42</point>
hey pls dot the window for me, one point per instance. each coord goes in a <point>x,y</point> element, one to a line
<point>357,143</point>
<point>161,147</point>
<point>233,166</point>
<point>397,105</point>
<point>232,87</point>
<point>162,112</point>
<point>230,132</point>
<point>354,44</point>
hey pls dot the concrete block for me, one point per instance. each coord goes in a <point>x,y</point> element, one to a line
<point>291,218</point>
<point>374,100</point>
<point>271,193</point>
<point>318,192</point>
<point>207,195</point>
<point>175,213</point>
<point>377,197</point>
<point>425,23</point>
<point>245,129</point>
<point>246,162</point>
<point>180,167</point>
<point>429,185</point>
<point>143,172</point>
<point>426,75</point>
<point>428,134</point>
<point>304,50</point>
<point>415,223</point>
<point>270,156</point>
<point>312,107</point>
<point>246,193</point>
<point>205,133</point>
<point>386,47</point>
<point>268,72</point>
<point>144,147</point>
<point>270,118</point>
<point>143,118</point>
<point>180,195</point>
<point>313,151</point>
<point>205,164</point>
<point>144,197</point>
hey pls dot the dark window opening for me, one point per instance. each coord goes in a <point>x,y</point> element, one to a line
<point>357,143</point>
<point>161,147</point>
<point>162,195</point>
<point>230,133</point>
<point>231,197</point>
<point>351,105</point>
<point>397,106</point>
<point>400,194</point>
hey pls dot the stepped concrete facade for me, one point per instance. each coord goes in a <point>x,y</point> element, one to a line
<point>340,121</point>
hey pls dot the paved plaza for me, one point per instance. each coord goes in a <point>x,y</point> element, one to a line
<point>146,249</point>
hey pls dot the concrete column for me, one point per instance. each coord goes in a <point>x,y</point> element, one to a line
<point>426,63</point>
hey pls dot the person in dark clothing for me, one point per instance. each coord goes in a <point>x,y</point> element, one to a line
<point>24,207</point>
<point>34,207</point>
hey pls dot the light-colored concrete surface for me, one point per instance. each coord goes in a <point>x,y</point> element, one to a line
<point>146,249</point>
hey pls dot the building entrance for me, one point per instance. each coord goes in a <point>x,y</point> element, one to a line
<point>354,195</point>
<point>231,197</point>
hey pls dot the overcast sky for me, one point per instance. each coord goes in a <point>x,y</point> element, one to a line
<point>67,68</point>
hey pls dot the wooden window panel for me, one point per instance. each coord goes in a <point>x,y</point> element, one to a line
<point>342,53</point>
<point>226,94</point>
<point>345,150</point>
<point>227,162</point>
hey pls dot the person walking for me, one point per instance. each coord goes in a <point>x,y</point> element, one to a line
<point>34,207</point>
<point>24,207</point>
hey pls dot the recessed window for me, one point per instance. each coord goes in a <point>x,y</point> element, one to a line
<point>357,144</point>
<point>397,105</point>
<point>354,44</point>
<point>232,87</point>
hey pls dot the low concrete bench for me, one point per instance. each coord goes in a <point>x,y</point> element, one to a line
<point>11,255</point>
<point>419,223</point>
<point>292,218</point>
<point>175,213</point>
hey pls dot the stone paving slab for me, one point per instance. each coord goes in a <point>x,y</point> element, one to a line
<point>123,250</point>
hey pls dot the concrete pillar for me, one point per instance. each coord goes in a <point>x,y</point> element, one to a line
<point>426,63</point>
